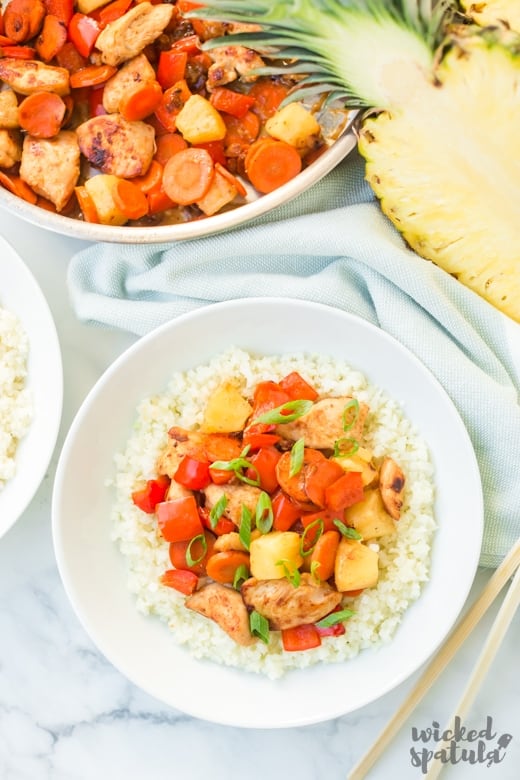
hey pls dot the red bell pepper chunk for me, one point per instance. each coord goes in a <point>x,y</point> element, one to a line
<point>268,395</point>
<point>302,637</point>
<point>152,494</point>
<point>322,475</point>
<point>285,512</point>
<point>19,52</point>
<point>182,580</point>
<point>190,44</point>
<point>338,629</point>
<point>224,524</point>
<point>95,101</point>
<point>62,9</point>
<point>264,462</point>
<point>83,32</point>
<point>179,519</point>
<point>231,102</point>
<point>109,13</point>
<point>258,440</point>
<point>171,67</point>
<point>345,492</point>
<point>216,151</point>
<point>192,473</point>
<point>296,386</point>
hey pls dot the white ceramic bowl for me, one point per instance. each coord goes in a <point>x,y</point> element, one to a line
<point>254,206</point>
<point>21,294</point>
<point>93,571</point>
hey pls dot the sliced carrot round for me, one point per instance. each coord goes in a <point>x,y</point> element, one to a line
<point>237,184</point>
<point>130,199</point>
<point>42,114</point>
<point>91,76</point>
<point>142,102</point>
<point>272,165</point>
<point>167,145</point>
<point>152,179</point>
<point>19,187</point>
<point>188,175</point>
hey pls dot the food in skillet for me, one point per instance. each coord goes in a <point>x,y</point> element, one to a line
<point>274,511</point>
<point>113,113</point>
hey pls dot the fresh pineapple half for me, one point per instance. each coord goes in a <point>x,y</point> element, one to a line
<point>494,11</point>
<point>441,136</point>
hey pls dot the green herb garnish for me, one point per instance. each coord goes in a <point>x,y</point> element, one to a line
<point>264,513</point>
<point>292,574</point>
<point>218,510</point>
<point>296,462</point>
<point>346,531</point>
<point>350,414</point>
<point>244,532</point>
<point>259,626</point>
<point>286,413</point>
<point>238,466</point>
<point>344,448</point>
<point>241,575</point>
<point>316,525</point>
<point>193,561</point>
<point>335,617</point>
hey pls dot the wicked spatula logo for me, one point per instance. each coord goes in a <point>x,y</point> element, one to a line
<point>458,745</point>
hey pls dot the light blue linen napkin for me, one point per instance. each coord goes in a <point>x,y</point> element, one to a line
<point>333,245</point>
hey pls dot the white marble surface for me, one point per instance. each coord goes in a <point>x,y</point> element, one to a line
<point>67,714</point>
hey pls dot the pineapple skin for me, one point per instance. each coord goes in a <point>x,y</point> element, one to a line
<point>493,12</point>
<point>446,169</point>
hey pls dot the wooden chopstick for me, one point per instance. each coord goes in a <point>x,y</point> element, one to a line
<point>440,661</point>
<point>498,630</point>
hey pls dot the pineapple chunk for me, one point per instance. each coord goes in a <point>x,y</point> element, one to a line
<point>87,6</point>
<point>8,109</point>
<point>356,566</point>
<point>220,193</point>
<point>357,463</point>
<point>100,189</point>
<point>294,125</point>
<point>226,410</point>
<point>267,550</point>
<point>199,122</point>
<point>370,517</point>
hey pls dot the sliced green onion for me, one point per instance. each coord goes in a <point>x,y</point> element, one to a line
<point>286,413</point>
<point>350,414</point>
<point>193,561</point>
<point>264,513</point>
<point>241,575</point>
<point>238,466</point>
<point>335,617</point>
<point>315,565</point>
<point>346,531</point>
<point>259,626</point>
<point>292,574</point>
<point>244,532</point>
<point>319,524</point>
<point>296,461</point>
<point>344,448</point>
<point>218,510</point>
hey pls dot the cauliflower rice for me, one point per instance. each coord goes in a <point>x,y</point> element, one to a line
<point>15,403</point>
<point>403,557</point>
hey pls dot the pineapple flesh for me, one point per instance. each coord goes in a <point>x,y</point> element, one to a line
<point>493,12</point>
<point>440,139</point>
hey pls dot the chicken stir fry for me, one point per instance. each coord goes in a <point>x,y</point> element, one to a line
<point>272,510</point>
<point>165,128</point>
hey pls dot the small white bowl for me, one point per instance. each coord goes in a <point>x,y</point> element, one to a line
<point>21,295</point>
<point>93,570</point>
<point>255,206</point>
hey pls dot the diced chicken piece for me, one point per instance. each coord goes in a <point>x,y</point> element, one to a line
<point>230,62</point>
<point>286,606</point>
<point>116,146</point>
<point>29,76</point>
<point>391,486</point>
<point>8,109</point>
<point>51,166</point>
<point>237,496</point>
<point>226,607</point>
<point>10,148</point>
<point>128,79</point>
<point>127,36</point>
<point>181,442</point>
<point>323,424</point>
